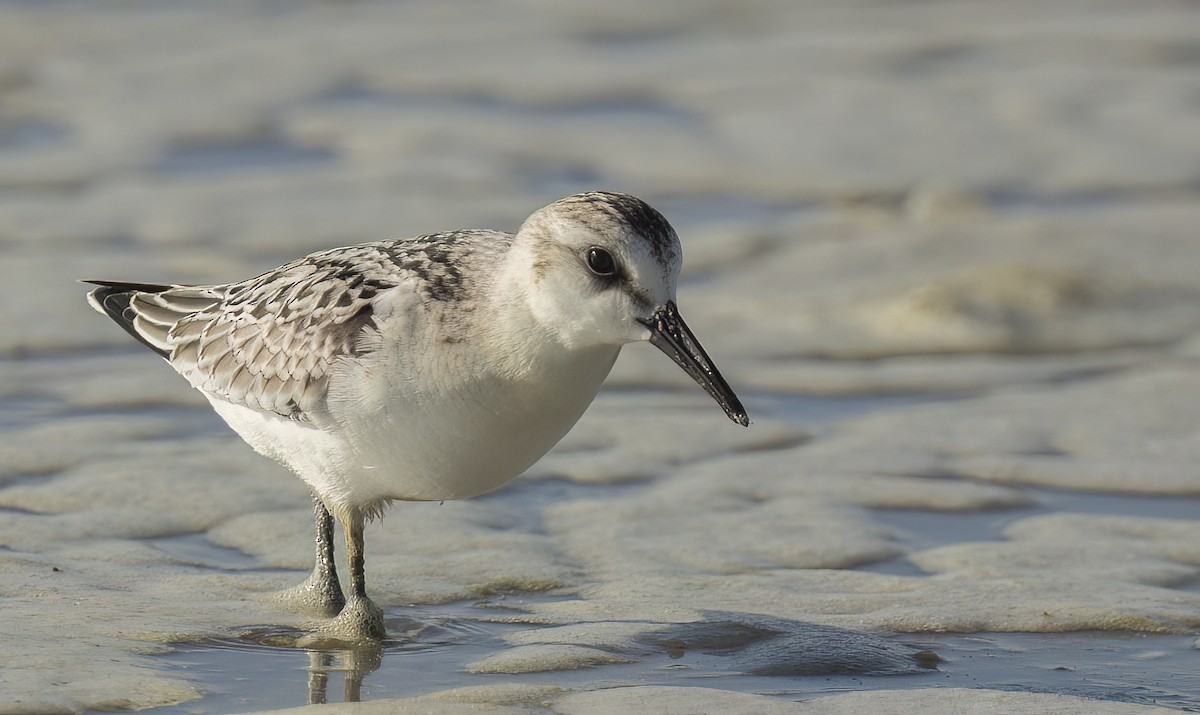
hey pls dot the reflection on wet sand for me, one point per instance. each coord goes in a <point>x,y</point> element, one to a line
<point>355,664</point>
<point>794,660</point>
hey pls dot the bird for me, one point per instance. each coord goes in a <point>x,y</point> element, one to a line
<point>422,369</point>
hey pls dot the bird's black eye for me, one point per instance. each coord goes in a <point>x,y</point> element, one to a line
<point>601,262</point>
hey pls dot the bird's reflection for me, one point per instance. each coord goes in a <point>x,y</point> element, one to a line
<point>355,663</point>
<point>328,656</point>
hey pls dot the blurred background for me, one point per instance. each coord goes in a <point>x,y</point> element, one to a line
<point>991,206</point>
<point>857,166</point>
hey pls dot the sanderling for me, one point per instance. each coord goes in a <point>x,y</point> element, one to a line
<point>422,369</point>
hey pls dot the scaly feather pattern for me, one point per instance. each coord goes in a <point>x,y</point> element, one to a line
<point>270,342</point>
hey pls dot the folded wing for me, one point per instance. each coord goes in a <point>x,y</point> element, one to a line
<point>268,343</point>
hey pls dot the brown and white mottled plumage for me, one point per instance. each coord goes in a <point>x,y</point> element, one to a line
<point>436,367</point>
<point>270,342</point>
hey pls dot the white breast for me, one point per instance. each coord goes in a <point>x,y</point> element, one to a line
<point>467,440</point>
<point>389,435</point>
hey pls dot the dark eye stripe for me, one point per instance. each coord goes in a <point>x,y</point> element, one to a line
<point>601,262</point>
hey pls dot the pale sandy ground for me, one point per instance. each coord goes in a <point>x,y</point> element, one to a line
<point>990,201</point>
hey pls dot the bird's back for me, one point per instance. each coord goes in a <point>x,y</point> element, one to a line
<point>269,343</point>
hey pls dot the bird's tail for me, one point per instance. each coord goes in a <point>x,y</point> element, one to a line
<point>148,311</point>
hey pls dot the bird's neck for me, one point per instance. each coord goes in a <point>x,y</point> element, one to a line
<point>526,347</point>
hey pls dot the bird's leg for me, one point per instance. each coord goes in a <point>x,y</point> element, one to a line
<point>356,557</point>
<point>360,617</point>
<point>321,594</point>
<point>324,573</point>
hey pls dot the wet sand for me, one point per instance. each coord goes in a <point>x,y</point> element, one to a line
<point>945,251</point>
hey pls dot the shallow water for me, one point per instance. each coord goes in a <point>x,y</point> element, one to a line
<point>431,646</point>
<point>970,226</point>
<point>243,675</point>
<point>924,529</point>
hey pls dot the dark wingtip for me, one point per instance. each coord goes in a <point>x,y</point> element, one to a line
<point>128,287</point>
<point>113,298</point>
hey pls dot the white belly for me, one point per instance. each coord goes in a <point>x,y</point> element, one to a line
<point>389,439</point>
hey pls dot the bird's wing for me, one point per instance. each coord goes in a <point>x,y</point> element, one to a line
<point>268,343</point>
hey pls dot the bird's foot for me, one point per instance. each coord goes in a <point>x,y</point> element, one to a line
<point>319,595</point>
<point>360,621</point>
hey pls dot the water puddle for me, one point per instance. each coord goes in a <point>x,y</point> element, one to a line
<point>1127,667</point>
<point>920,529</point>
<point>260,668</point>
<point>432,647</point>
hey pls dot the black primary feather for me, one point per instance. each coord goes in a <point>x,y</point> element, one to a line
<point>114,297</point>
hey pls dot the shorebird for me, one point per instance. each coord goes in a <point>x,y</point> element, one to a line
<point>422,369</point>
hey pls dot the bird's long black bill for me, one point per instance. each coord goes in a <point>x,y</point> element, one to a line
<point>670,334</point>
